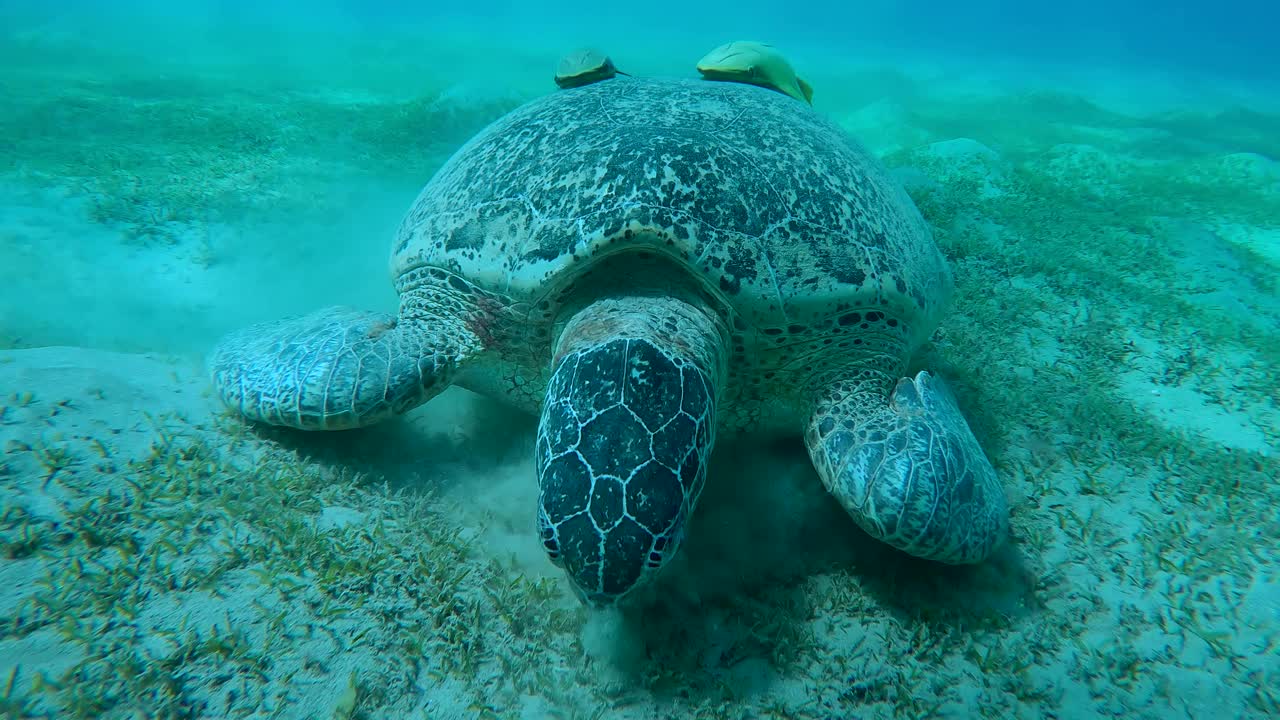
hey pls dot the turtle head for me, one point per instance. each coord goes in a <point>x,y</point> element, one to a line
<point>626,428</point>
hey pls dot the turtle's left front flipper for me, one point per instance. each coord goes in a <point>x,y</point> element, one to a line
<point>909,471</point>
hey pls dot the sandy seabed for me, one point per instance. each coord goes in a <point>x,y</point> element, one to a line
<point>1113,340</point>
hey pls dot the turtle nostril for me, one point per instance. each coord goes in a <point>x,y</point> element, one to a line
<point>549,542</point>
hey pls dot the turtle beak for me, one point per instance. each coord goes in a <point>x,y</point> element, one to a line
<point>600,581</point>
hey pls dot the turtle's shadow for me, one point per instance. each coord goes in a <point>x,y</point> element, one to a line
<point>765,545</point>
<point>421,450</point>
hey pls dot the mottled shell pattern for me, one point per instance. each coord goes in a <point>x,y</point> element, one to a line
<point>770,208</point>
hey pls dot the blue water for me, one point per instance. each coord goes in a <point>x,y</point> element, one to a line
<point>1234,37</point>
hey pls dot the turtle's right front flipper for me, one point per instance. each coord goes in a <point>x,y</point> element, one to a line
<point>333,369</point>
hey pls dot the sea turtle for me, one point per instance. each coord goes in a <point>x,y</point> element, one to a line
<point>583,67</point>
<point>641,263</point>
<point>756,63</point>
